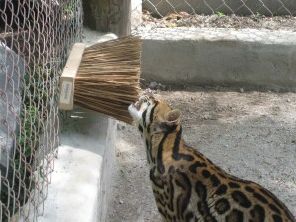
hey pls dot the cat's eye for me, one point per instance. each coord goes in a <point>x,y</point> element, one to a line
<point>145,99</point>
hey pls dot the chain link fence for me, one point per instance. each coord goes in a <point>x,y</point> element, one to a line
<point>238,14</point>
<point>35,36</point>
<point>208,7</point>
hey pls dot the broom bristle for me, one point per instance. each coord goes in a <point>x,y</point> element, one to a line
<point>108,77</point>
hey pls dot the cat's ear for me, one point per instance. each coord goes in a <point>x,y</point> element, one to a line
<point>169,123</point>
<point>173,117</point>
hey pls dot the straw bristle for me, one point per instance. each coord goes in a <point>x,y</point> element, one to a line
<point>108,77</point>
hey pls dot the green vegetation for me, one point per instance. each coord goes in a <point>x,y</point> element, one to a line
<point>20,178</point>
<point>220,14</point>
<point>69,8</point>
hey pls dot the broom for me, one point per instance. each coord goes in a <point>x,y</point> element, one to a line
<point>103,77</point>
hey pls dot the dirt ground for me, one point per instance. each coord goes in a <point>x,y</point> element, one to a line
<point>250,134</point>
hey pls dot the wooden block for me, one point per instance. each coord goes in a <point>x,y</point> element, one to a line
<point>68,77</point>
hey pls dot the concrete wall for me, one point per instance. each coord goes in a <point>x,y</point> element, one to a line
<point>108,16</point>
<point>264,7</point>
<point>116,16</point>
<point>220,57</point>
<point>12,70</point>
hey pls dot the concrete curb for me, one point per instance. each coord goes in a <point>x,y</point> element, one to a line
<point>82,174</point>
<point>202,56</point>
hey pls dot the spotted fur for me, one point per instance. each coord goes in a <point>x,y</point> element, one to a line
<point>187,186</point>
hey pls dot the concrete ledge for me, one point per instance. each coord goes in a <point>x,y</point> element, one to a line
<point>202,56</point>
<point>83,170</point>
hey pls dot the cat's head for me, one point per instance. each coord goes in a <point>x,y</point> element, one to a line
<point>153,115</point>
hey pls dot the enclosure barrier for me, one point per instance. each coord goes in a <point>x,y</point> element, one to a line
<point>35,36</point>
<point>208,7</point>
<point>237,14</point>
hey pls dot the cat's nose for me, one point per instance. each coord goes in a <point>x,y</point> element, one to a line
<point>132,107</point>
<point>138,105</point>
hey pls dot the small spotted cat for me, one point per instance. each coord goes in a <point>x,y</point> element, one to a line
<point>187,186</point>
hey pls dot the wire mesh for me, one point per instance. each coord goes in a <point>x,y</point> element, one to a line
<point>238,14</point>
<point>207,7</point>
<point>35,36</point>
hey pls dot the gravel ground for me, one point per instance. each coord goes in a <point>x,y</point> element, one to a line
<point>184,19</point>
<point>249,134</point>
